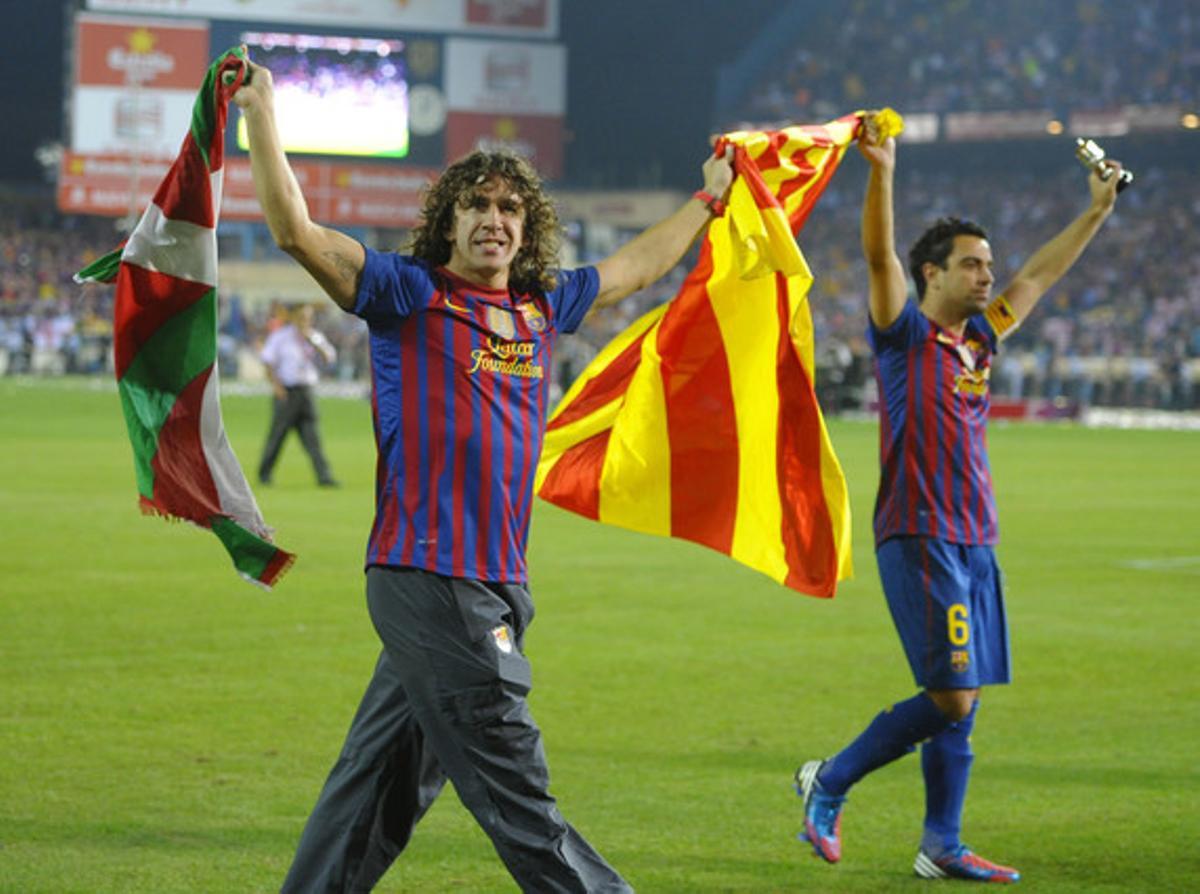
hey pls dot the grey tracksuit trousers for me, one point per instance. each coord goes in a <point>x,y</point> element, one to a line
<point>447,701</point>
<point>297,410</point>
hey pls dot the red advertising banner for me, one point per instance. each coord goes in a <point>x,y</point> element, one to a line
<point>337,193</point>
<point>135,82</point>
<point>534,15</point>
<point>152,54</point>
<point>537,137</point>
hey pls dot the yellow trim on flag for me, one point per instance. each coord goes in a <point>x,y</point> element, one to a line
<point>635,485</point>
<point>558,441</point>
<point>745,313</point>
<point>609,353</point>
<point>763,237</point>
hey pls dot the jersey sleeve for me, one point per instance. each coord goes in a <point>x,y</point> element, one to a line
<point>571,300</point>
<point>392,286</point>
<point>906,330</point>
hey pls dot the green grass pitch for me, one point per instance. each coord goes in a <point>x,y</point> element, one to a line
<point>165,727</point>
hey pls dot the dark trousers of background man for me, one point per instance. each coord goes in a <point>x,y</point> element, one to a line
<point>297,410</point>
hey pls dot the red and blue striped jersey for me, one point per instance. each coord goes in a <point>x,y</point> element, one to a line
<point>935,480</point>
<point>459,381</point>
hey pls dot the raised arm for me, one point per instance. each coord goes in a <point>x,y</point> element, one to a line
<point>1052,260</point>
<point>887,288</point>
<point>647,257</point>
<point>333,259</point>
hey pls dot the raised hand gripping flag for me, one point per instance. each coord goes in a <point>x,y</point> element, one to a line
<point>165,344</point>
<point>701,420</point>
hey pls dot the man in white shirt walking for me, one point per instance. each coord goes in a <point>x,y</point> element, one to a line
<point>291,355</point>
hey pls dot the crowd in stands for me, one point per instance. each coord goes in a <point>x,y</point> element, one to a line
<point>51,325</point>
<point>47,326</point>
<point>1123,328</point>
<point>956,55</point>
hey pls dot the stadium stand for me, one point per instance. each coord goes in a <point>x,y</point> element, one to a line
<point>937,56</point>
<point>1123,329</point>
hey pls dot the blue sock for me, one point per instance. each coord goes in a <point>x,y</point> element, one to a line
<point>892,734</point>
<point>946,762</point>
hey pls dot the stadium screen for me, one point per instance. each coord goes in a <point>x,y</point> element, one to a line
<point>335,95</point>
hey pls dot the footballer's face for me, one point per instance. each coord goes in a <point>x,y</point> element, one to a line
<point>487,232</point>
<point>964,287</point>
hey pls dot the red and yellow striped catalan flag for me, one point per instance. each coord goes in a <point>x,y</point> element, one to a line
<point>701,421</point>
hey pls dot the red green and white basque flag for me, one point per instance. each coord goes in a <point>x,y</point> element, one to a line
<point>165,344</point>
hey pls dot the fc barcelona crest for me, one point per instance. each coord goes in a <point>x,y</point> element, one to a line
<point>501,322</point>
<point>502,639</point>
<point>533,317</point>
<point>960,660</point>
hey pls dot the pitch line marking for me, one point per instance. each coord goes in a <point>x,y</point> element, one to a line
<point>1186,564</point>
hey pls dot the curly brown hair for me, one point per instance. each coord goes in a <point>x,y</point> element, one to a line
<point>535,268</point>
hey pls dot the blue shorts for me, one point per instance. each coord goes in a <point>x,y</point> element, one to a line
<point>947,602</point>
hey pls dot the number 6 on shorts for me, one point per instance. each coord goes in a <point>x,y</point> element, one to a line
<point>958,626</point>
